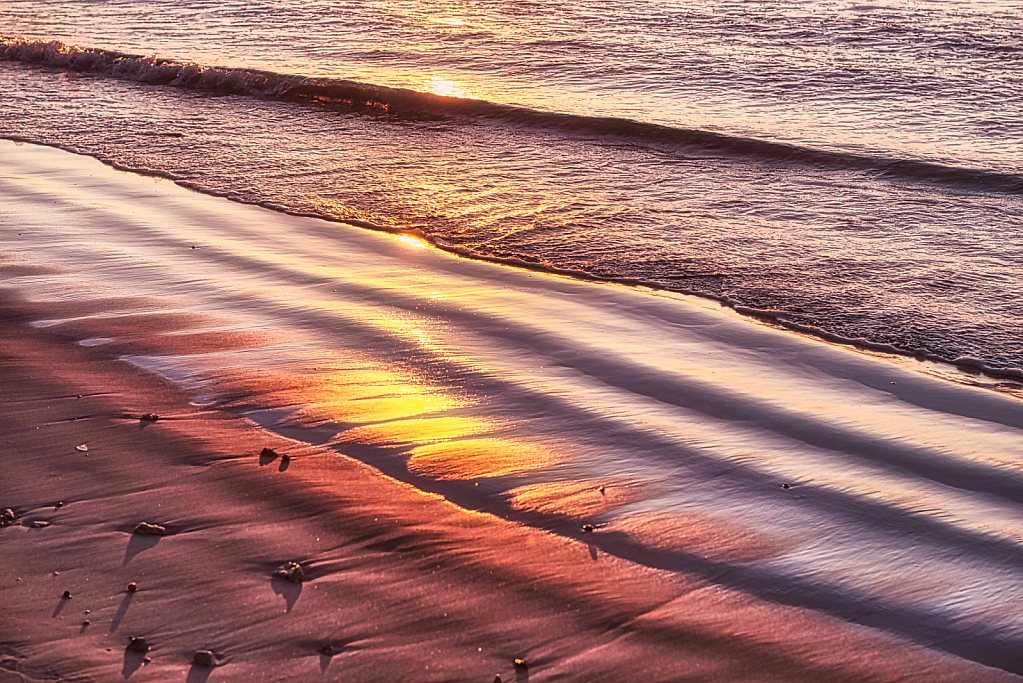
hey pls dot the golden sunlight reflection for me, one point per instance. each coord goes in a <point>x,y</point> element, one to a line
<point>445,87</point>
<point>418,431</point>
<point>443,431</point>
<point>412,241</point>
<point>475,458</point>
<point>364,395</point>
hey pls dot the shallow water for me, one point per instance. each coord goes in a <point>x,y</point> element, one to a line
<point>855,169</point>
<point>524,393</point>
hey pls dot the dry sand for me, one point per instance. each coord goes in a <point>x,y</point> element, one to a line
<point>402,584</point>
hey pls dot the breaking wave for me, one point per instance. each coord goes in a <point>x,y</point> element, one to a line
<point>400,102</point>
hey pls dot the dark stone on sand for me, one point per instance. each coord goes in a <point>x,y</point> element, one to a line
<point>327,650</point>
<point>39,524</point>
<point>204,658</point>
<point>588,528</point>
<point>150,417</point>
<point>785,486</point>
<point>86,622</point>
<point>497,678</point>
<point>131,587</point>
<point>268,453</point>
<point>137,644</point>
<point>7,517</point>
<point>290,571</point>
<point>148,529</point>
<point>521,664</point>
<point>67,595</point>
<point>59,504</point>
<point>602,489</point>
<point>285,458</point>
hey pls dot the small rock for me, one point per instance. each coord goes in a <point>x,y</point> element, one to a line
<point>285,458</point>
<point>59,504</point>
<point>83,448</point>
<point>588,528</point>
<point>290,571</point>
<point>7,517</point>
<point>327,650</point>
<point>39,524</point>
<point>497,678</point>
<point>268,453</point>
<point>67,595</point>
<point>150,417</point>
<point>602,489</point>
<point>204,658</point>
<point>88,611</point>
<point>131,587</point>
<point>521,664</point>
<point>86,622</point>
<point>137,644</point>
<point>785,486</point>
<point>147,529</point>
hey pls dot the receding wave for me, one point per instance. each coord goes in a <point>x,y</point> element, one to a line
<point>402,102</point>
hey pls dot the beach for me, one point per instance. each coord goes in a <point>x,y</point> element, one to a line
<point>483,464</point>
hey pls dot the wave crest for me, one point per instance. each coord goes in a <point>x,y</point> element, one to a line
<point>411,103</point>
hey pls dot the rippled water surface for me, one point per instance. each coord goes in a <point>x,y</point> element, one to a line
<point>890,210</point>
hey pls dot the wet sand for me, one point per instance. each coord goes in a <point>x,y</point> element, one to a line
<point>402,585</point>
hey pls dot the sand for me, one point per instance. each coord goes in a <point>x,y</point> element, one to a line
<point>401,583</point>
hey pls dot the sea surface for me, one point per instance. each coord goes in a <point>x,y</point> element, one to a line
<point>850,170</point>
<point>845,167</point>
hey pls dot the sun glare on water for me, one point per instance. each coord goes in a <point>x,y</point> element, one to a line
<point>410,240</point>
<point>443,86</point>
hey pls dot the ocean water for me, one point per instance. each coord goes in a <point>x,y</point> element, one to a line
<point>852,168</point>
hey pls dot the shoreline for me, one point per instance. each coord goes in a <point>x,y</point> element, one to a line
<point>388,567</point>
<point>1005,380</point>
<point>442,373</point>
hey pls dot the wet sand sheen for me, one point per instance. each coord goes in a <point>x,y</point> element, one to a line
<point>510,393</point>
<point>400,583</point>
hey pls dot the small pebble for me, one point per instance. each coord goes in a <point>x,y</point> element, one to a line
<point>56,573</point>
<point>521,664</point>
<point>6,517</point>
<point>67,595</point>
<point>59,505</point>
<point>785,486</point>
<point>204,658</point>
<point>88,611</point>
<point>497,678</point>
<point>290,571</point>
<point>268,453</point>
<point>83,448</point>
<point>327,650</point>
<point>150,417</point>
<point>86,622</point>
<point>137,644</point>
<point>285,458</point>
<point>131,587</point>
<point>148,529</point>
<point>587,528</point>
<point>602,489</point>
